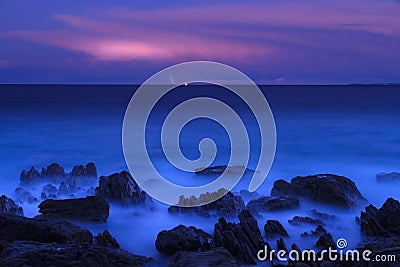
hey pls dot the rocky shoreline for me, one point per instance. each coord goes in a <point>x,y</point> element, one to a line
<point>54,238</point>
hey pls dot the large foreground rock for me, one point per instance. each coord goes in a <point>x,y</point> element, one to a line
<point>183,238</point>
<point>322,188</point>
<point>13,227</point>
<point>242,240</point>
<point>122,188</point>
<point>215,257</point>
<point>94,209</point>
<point>227,206</point>
<point>384,221</point>
<point>7,205</point>
<point>28,253</point>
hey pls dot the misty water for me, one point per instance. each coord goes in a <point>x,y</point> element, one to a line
<point>346,130</point>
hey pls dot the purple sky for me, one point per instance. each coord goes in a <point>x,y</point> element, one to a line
<point>272,41</point>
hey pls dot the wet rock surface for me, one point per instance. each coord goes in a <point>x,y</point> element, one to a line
<point>122,188</point>
<point>28,253</point>
<point>183,238</point>
<point>93,209</point>
<point>215,257</point>
<point>322,188</point>
<point>13,227</point>
<point>7,205</point>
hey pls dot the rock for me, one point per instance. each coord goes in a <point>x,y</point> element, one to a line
<point>319,231</point>
<point>274,228</point>
<point>322,188</point>
<point>105,239</point>
<point>89,170</point>
<point>265,204</point>
<point>7,205</point>
<point>82,176</point>
<point>93,208</point>
<point>30,177</point>
<point>298,220</point>
<point>242,240</point>
<point>228,206</point>
<point>383,221</point>
<point>28,253</point>
<point>13,227</point>
<point>215,257</point>
<point>320,215</point>
<point>280,244</point>
<point>325,242</point>
<point>218,170</point>
<point>183,238</point>
<point>121,187</point>
<point>382,246</point>
<point>22,195</point>
<point>388,177</point>
<point>53,171</point>
<point>49,192</point>
<point>67,188</point>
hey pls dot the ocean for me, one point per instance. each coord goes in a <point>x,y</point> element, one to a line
<point>350,130</point>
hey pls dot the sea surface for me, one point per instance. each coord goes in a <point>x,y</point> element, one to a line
<point>351,130</point>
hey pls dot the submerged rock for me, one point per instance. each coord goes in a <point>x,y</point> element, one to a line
<point>183,238</point>
<point>7,205</point>
<point>105,239</point>
<point>298,220</point>
<point>322,188</point>
<point>13,227</point>
<point>382,222</point>
<point>228,206</point>
<point>265,204</point>
<point>388,177</point>
<point>274,228</point>
<point>93,208</point>
<point>28,253</point>
<point>242,240</point>
<point>121,187</point>
<point>215,257</point>
<point>22,195</point>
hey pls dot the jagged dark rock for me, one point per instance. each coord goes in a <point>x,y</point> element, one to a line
<point>228,206</point>
<point>13,227</point>
<point>298,220</point>
<point>22,195</point>
<point>322,188</point>
<point>89,170</point>
<point>265,204</point>
<point>7,205</point>
<point>274,228</point>
<point>280,244</point>
<point>105,239</point>
<point>28,253</point>
<point>242,240</point>
<point>122,188</point>
<point>49,192</point>
<point>30,177</point>
<point>54,170</point>
<point>183,238</point>
<point>319,231</point>
<point>320,215</point>
<point>325,241</point>
<point>215,257</point>
<point>382,222</point>
<point>92,208</point>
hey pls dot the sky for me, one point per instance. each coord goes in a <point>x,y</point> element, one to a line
<point>272,41</point>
